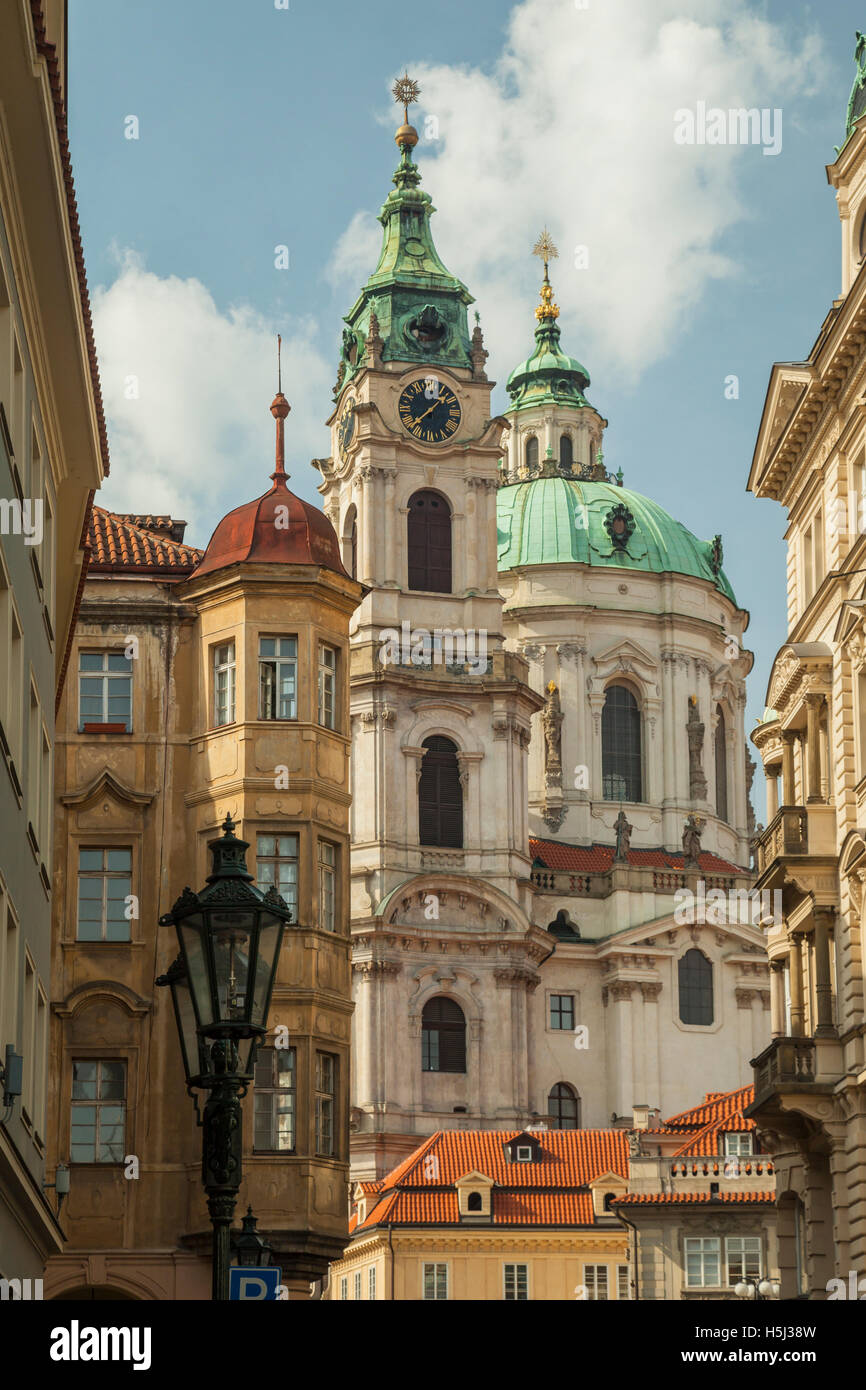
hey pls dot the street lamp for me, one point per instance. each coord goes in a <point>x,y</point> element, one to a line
<point>757,1289</point>
<point>221,984</point>
<point>252,1251</point>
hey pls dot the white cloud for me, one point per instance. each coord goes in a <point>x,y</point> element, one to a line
<point>199,438</point>
<point>357,251</point>
<point>573,127</point>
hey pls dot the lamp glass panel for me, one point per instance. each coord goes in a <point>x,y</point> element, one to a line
<point>270,929</point>
<point>190,931</point>
<point>231,942</point>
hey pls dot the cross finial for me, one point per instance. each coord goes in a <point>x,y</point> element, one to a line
<point>406,91</point>
<point>545,248</point>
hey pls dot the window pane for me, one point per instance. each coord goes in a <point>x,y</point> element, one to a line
<point>119,859</point>
<point>84,1081</point>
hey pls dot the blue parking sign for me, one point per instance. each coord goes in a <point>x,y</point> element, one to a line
<point>249,1285</point>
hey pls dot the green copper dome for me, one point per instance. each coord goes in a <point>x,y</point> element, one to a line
<point>556,519</point>
<point>548,375</point>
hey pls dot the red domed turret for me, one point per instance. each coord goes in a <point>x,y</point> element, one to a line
<point>277,528</point>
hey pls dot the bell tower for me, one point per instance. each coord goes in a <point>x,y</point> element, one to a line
<point>440,710</point>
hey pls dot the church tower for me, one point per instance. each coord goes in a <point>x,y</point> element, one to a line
<point>445,954</point>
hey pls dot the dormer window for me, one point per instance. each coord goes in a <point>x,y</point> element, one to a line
<point>474,1202</point>
<point>523,1153</point>
<point>738,1145</point>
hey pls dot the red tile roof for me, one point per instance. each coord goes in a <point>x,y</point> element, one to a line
<point>683,1199</point>
<point>701,1129</point>
<point>597,859</point>
<point>120,547</point>
<point>550,1191</point>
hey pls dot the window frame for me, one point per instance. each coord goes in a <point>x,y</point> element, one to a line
<point>105,675</point>
<point>515,1272</point>
<point>273,1091</point>
<point>326,1104</point>
<point>327,884</point>
<point>227,668</point>
<point>687,988</point>
<point>327,686</point>
<point>106,875</point>
<point>707,1245</point>
<point>278,660</point>
<point>633,777</point>
<point>596,1281</point>
<point>288,887</point>
<point>560,1027</point>
<point>441,1280</point>
<point>98,1103</point>
<point>453,1052</point>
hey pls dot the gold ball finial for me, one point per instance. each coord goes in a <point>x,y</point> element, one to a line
<point>406,93</point>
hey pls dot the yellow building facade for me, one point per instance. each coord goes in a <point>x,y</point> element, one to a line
<point>810,1083</point>
<point>492,1215</point>
<point>53,454</point>
<point>202,685</point>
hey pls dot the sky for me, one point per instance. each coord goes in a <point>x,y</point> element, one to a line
<point>207,134</point>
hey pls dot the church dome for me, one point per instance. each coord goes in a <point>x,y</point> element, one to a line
<point>277,528</point>
<point>555,520</point>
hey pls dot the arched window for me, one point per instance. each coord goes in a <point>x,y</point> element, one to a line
<point>721,750</point>
<point>440,795</point>
<point>474,1201</point>
<point>620,746</point>
<point>350,542</point>
<point>696,988</point>
<point>443,1036</point>
<point>566,452</point>
<point>429,538</point>
<point>530,452</point>
<point>563,1107</point>
<point>862,238</point>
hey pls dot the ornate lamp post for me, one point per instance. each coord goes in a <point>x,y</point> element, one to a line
<point>221,983</point>
<point>756,1289</point>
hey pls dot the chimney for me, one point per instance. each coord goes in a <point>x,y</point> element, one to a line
<point>640,1116</point>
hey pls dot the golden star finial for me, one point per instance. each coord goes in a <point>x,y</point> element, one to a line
<point>406,91</point>
<point>545,248</point>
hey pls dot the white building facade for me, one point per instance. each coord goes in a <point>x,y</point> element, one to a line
<point>499,787</point>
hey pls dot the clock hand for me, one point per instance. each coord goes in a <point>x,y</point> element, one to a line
<point>438,401</point>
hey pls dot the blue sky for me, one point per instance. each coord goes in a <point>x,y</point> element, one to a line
<point>260,127</point>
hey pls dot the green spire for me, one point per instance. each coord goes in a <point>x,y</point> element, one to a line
<point>419,307</point>
<point>548,374</point>
<point>857,99</point>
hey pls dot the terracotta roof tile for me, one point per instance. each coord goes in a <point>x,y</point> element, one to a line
<point>638,1199</point>
<point>597,859</point>
<point>550,1191</point>
<point>120,547</point>
<point>567,1158</point>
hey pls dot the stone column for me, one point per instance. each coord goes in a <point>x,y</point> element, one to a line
<point>459,567</point>
<point>823,988</point>
<point>777,1000</point>
<point>620,993</point>
<point>492,570</point>
<point>796,973</point>
<point>650,991</point>
<point>390,569</point>
<point>772,777</point>
<point>366,562</point>
<point>813,746</point>
<point>788,738</point>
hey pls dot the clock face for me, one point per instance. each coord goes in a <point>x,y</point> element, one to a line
<point>429,410</point>
<point>346,427</point>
